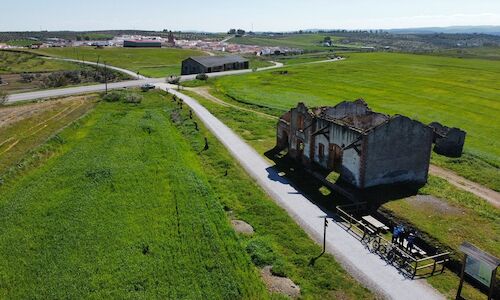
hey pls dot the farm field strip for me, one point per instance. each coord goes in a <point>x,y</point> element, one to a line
<point>27,126</point>
<point>126,212</point>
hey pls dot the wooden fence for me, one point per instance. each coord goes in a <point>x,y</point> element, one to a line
<point>394,253</point>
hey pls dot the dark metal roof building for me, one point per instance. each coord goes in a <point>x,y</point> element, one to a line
<point>142,44</point>
<point>209,64</point>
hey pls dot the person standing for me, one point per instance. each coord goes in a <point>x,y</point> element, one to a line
<point>395,233</point>
<point>411,241</point>
<point>402,234</point>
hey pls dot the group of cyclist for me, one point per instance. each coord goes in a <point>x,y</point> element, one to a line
<point>401,233</point>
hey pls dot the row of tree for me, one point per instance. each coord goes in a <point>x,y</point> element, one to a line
<point>236,31</point>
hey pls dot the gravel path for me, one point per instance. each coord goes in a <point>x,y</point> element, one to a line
<point>366,267</point>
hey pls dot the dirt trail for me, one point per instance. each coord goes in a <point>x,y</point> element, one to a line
<point>487,194</point>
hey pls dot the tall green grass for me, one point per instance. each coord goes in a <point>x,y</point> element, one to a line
<point>123,210</point>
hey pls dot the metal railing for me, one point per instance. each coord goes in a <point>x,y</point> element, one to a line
<point>393,253</point>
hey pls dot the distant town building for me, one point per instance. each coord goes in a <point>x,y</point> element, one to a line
<point>171,39</point>
<point>210,64</point>
<point>142,44</point>
<point>366,148</point>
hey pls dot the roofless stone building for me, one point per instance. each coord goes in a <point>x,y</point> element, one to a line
<point>365,147</point>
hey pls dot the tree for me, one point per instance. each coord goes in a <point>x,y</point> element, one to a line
<point>232,31</point>
<point>240,32</point>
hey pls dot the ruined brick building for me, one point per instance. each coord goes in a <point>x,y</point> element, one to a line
<point>366,148</point>
<point>448,141</point>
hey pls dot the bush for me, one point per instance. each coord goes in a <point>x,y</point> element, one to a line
<point>202,76</point>
<point>112,97</point>
<point>3,97</point>
<point>261,252</point>
<point>132,98</point>
<point>279,268</point>
<point>27,77</point>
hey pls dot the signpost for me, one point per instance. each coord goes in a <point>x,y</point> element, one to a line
<point>479,265</point>
<point>313,260</point>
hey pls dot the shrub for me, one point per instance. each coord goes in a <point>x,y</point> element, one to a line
<point>202,76</point>
<point>132,98</point>
<point>27,77</point>
<point>279,268</point>
<point>112,97</point>
<point>3,97</point>
<point>260,251</point>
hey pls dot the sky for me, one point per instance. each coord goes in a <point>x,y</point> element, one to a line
<point>259,15</point>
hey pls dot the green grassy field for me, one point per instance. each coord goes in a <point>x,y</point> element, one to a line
<point>309,42</point>
<point>24,127</point>
<point>456,92</point>
<point>16,62</point>
<point>123,211</point>
<point>21,43</point>
<point>129,206</point>
<point>449,224</point>
<point>492,53</point>
<point>149,62</point>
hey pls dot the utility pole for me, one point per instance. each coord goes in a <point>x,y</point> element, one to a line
<point>324,236</point>
<point>105,78</point>
<point>97,67</point>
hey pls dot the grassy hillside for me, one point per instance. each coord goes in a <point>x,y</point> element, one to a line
<point>123,211</point>
<point>129,206</point>
<point>310,42</point>
<point>149,62</point>
<point>16,62</point>
<point>456,92</point>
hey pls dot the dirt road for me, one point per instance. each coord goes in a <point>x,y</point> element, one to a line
<point>487,194</point>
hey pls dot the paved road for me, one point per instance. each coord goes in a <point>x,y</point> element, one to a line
<point>116,85</point>
<point>365,266</point>
<point>79,90</point>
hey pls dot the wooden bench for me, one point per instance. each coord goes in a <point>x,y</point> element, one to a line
<point>371,221</point>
